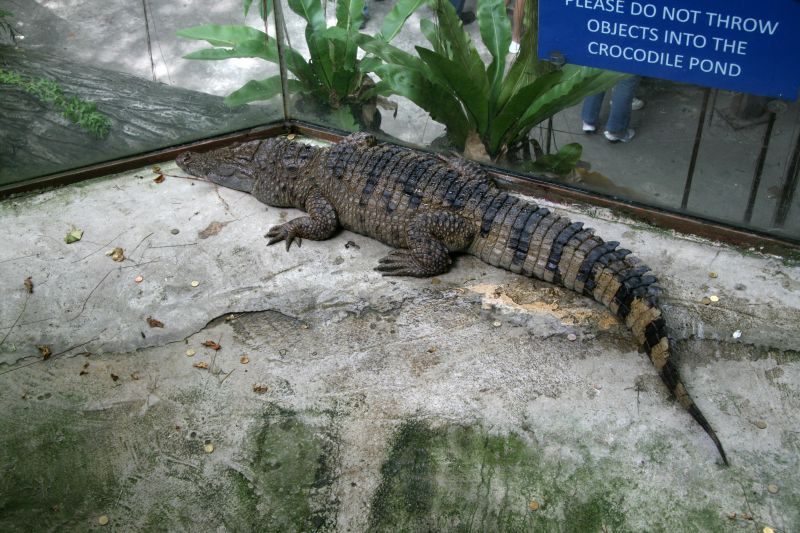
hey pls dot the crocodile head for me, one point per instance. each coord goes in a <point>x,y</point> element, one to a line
<point>230,166</point>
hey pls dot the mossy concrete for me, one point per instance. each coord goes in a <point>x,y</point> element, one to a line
<point>344,401</point>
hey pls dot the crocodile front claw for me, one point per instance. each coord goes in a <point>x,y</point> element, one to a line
<point>283,232</point>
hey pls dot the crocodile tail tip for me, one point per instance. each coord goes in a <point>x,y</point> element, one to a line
<point>697,415</point>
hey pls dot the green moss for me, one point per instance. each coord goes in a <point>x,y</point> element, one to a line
<point>81,112</point>
<point>55,474</point>
<point>294,464</point>
<point>457,478</point>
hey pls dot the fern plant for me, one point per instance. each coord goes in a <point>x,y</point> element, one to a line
<point>485,109</point>
<point>333,75</point>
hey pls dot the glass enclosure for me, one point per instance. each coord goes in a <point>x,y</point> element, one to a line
<point>85,82</point>
<point>413,72</point>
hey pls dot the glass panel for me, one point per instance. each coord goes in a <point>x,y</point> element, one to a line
<point>470,88</point>
<point>86,82</point>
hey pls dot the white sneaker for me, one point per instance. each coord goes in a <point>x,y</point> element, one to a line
<point>513,48</point>
<point>637,104</point>
<point>616,138</point>
<point>588,128</point>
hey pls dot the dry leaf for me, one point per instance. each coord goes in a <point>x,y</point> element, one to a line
<point>212,229</point>
<point>153,323</point>
<point>211,344</point>
<point>117,254</point>
<point>73,235</point>
<point>200,364</point>
<point>244,359</point>
<point>138,279</point>
<point>28,284</point>
<point>45,351</point>
<point>83,372</point>
<point>260,388</point>
<point>159,178</point>
<point>135,376</point>
<point>114,377</point>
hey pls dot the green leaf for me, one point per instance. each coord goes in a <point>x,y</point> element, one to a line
<point>442,105</point>
<point>576,84</point>
<point>431,32</point>
<point>222,35</point>
<point>311,11</point>
<point>496,35</point>
<point>393,22</point>
<point>390,54</point>
<point>257,90</point>
<point>73,235</point>
<point>261,11</point>
<point>561,162</point>
<point>369,64</point>
<point>254,48</point>
<point>254,90</point>
<point>510,114</point>
<point>349,14</point>
<point>470,89</point>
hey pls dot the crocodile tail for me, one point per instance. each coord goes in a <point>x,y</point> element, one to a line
<point>536,242</point>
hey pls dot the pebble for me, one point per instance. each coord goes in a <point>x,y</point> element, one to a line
<point>244,359</point>
<point>772,488</point>
<point>768,529</point>
<point>760,424</point>
<point>534,505</point>
<point>190,352</point>
<point>706,300</point>
<point>714,298</point>
<point>712,275</point>
<point>103,520</point>
<point>497,323</point>
<point>195,283</point>
<point>737,334</point>
<point>138,279</point>
<point>572,337</point>
<point>174,231</point>
<point>208,448</point>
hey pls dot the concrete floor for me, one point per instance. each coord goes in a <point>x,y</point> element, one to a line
<point>344,401</point>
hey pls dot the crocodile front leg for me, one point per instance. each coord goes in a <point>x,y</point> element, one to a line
<point>319,225</point>
<point>430,238</point>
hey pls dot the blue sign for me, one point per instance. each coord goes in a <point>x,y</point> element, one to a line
<point>740,45</point>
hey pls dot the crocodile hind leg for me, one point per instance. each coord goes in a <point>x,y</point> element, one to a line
<point>319,225</point>
<point>430,237</point>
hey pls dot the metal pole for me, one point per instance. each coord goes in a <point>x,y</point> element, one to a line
<point>762,156</point>
<point>696,149</point>
<point>280,37</point>
<point>789,187</point>
<point>549,134</point>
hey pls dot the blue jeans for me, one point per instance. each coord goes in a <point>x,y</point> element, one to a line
<point>621,98</point>
<point>459,5</point>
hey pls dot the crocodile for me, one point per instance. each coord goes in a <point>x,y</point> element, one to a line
<point>428,207</point>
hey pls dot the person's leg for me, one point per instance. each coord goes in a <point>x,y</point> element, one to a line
<point>620,116</point>
<point>459,5</point>
<point>591,111</point>
<point>365,15</point>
